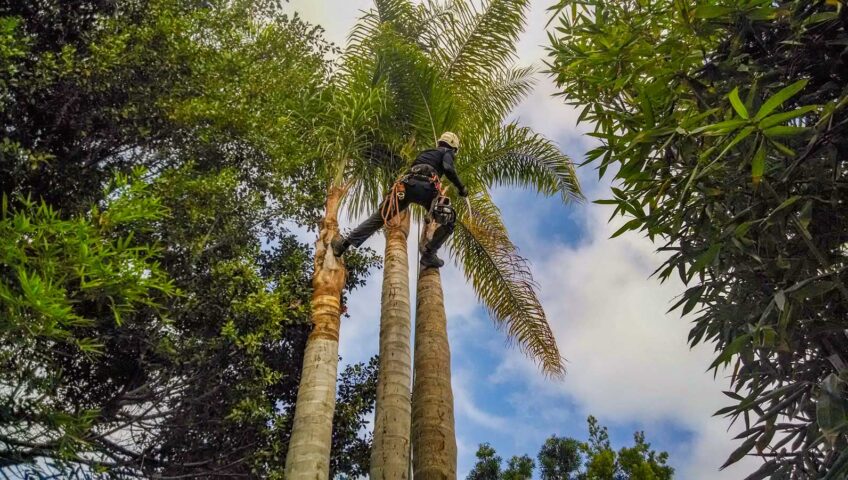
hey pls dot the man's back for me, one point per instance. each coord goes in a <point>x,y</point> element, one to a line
<point>441,159</point>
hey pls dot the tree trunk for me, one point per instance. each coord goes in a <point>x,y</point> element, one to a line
<point>390,450</point>
<point>433,434</point>
<point>308,456</point>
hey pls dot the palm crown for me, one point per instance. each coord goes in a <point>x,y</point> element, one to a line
<point>412,71</point>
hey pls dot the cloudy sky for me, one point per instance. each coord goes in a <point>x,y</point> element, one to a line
<point>628,362</point>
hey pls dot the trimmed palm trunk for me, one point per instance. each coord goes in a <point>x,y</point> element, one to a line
<point>433,432</point>
<point>390,449</point>
<point>308,456</point>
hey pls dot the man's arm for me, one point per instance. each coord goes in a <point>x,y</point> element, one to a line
<point>450,172</point>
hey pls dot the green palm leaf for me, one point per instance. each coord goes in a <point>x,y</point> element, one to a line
<point>480,40</point>
<point>503,282</point>
<point>513,155</point>
<point>499,94</point>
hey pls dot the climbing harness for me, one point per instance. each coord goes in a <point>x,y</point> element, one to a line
<point>391,207</point>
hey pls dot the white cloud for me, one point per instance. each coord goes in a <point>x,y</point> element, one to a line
<point>628,360</point>
<point>335,16</point>
<point>466,408</point>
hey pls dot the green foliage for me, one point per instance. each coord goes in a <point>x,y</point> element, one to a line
<point>519,468</point>
<point>155,308</point>
<point>67,285</point>
<point>357,396</point>
<point>730,151</point>
<point>569,459</point>
<point>638,462</point>
<point>558,457</point>
<point>488,466</point>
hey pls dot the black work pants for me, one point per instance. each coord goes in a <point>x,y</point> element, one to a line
<point>418,191</point>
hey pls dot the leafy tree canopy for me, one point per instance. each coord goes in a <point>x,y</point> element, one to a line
<point>569,459</point>
<point>726,125</point>
<point>154,308</point>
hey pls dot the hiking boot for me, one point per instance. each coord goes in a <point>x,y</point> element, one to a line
<point>339,245</point>
<point>429,259</point>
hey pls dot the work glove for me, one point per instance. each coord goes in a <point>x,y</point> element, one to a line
<point>463,192</point>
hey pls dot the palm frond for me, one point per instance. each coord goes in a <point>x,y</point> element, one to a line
<point>503,282</point>
<point>423,99</point>
<point>400,12</point>
<point>495,98</point>
<point>513,155</point>
<point>480,40</point>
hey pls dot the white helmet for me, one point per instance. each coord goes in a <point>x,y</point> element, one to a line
<point>451,139</point>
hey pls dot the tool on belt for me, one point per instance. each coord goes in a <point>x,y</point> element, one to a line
<point>440,209</point>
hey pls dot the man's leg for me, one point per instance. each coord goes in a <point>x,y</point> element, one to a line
<point>428,251</point>
<point>440,236</point>
<point>365,229</point>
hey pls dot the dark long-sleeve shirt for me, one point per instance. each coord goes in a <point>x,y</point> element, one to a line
<point>441,159</point>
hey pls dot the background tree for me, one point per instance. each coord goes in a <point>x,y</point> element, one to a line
<point>519,468</point>
<point>570,459</point>
<point>731,153</point>
<point>558,458</point>
<point>148,153</point>
<point>488,466</point>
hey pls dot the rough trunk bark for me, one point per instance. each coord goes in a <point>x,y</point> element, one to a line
<point>433,433</point>
<point>308,456</point>
<point>390,450</point>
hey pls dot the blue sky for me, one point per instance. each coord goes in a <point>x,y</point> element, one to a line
<point>628,361</point>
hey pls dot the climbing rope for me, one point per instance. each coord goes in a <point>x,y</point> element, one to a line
<point>391,207</point>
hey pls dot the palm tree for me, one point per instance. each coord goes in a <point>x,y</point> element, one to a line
<point>343,128</point>
<point>396,52</point>
<point>456,76</point>
<point>473,50</point>
<point>365,135</point>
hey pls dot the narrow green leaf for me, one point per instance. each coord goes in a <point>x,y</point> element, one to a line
<point>786,203</point>
<point>758,165</point>
<point>742,135</point>
<point>783,131</point>
<point>631,225</point>
<point>782,148</point>
<point>690,303</point>
<point>780,299</point>
<point>705,259</point>
<point>778,98</point>
<point>821,17</point>
<point>742,229</point>
<point>806,214</point>
<point>740,452</point>
<point>707,12</point>
<point>720,128</point>
<point>732,349</point>
<point>737,103</point>
<point>779,118</point>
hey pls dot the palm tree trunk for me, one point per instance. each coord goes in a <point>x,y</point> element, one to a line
<point>390,450</point>
<point>308,455</point>
<point>433,433</point>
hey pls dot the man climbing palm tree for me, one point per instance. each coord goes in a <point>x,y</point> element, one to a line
<point>420,186</point>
